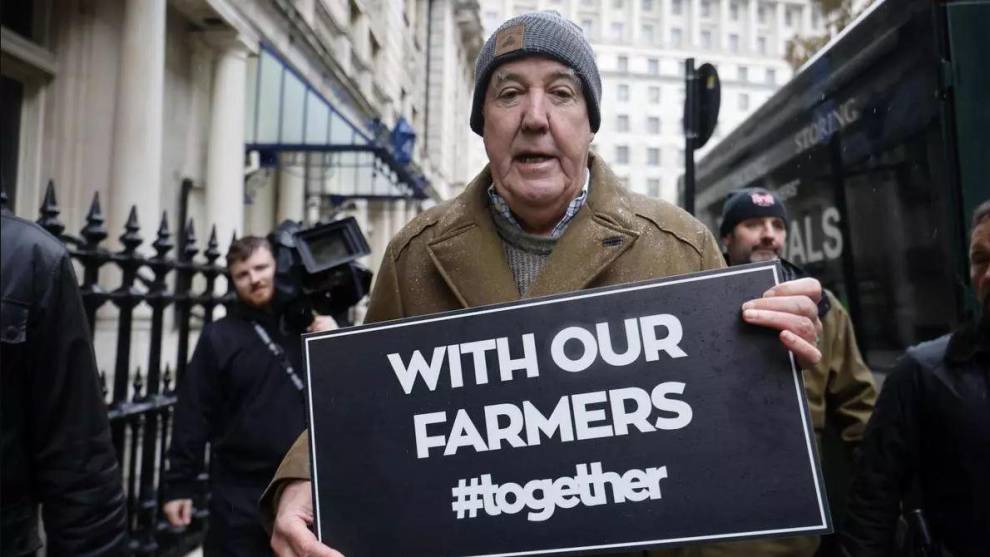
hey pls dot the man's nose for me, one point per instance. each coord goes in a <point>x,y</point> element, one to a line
<point>535,117</point>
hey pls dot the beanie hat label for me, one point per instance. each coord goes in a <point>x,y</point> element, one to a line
<point>762,199</point>
<point>510,39</point>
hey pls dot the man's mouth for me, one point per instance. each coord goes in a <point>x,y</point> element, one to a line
<point>532,158</point>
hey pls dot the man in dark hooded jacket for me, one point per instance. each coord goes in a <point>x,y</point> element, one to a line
<point>55,448</point>
<point>927,445</point>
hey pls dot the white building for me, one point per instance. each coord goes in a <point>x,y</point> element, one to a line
<point>129,98</point>
<point>264,109</point>
<point>641,46</point>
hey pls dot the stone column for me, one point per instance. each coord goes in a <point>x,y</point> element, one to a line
<point>225,155</point>
<point>398,218</point>
<point>136,168</point>
<point>313,185</point>
<point>379,231</point>
<point>291,189</point>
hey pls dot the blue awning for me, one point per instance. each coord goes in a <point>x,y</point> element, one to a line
<point>286,114</point>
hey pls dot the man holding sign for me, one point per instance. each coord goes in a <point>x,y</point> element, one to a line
<point>545,217</point>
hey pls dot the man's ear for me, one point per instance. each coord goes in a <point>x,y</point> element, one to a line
<point>726,240</point>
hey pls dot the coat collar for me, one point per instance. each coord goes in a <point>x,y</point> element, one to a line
<point>469,255</point>
<point>970,340</point>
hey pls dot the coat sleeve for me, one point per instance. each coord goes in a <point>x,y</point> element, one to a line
<point>885,465</point>
<point>77,476</point>
<point>851,392</point>
<point>193,422</point>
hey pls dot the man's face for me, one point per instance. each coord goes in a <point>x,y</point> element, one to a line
<point>979,261</point>
<point>754,240</point>
<point>537,134</point>
<point>254,278</point>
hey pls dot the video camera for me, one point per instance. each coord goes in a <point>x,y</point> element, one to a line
<point>316,271</point>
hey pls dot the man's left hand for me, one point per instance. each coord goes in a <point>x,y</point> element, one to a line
<point>791,308</point>
<point>322,323</point>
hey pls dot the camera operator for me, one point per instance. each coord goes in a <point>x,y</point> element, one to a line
<point>243,393</point>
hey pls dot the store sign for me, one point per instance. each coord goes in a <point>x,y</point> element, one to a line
<point>601,420</point>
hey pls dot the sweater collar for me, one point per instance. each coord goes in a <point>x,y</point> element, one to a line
<point>501,208</point>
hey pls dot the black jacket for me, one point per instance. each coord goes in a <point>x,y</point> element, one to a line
<point>56,449</point>
<point>236,395</point>
<point>928,445</point>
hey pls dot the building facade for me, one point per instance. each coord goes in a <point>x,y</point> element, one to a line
<point>641,46</point>
<point>236,113</point>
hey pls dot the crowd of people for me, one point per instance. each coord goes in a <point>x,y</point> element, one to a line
<point>532,223</point>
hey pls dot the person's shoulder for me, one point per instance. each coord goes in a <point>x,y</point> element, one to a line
<point>448,216</point>
<point>916,367</point>
<point>420,224</point>
<point>929,354</point>
<point>231,323</point>
<point>670,219</point>
<point>24,240</point>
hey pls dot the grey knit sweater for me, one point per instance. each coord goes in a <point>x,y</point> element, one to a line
<point>527,253</point>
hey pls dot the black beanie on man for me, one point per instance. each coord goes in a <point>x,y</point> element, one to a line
<point>749,203</point>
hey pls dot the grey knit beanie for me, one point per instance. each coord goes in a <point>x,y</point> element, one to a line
<point>545,33</point>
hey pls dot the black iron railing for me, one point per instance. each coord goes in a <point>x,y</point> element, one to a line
<point>141,403</point>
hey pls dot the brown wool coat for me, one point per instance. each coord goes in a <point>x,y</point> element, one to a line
<point>450,257</point>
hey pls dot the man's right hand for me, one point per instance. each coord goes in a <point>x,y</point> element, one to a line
<point>291,536</point>
<point>178,512</point>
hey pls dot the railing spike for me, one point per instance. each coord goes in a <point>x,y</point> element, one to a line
<point>138,384</point>
<point>167,378</point>
<point>212,252</point>
<point>94,232</point>
<point>163,243</point>
<point>189,250</point>
<point>131,238</point>
<point>49,212</point>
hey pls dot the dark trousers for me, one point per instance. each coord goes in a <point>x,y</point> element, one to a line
<point>235,524</point>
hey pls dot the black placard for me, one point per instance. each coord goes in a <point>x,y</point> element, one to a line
<point>700,438</point>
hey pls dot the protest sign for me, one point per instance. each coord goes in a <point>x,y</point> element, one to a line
<point>604,420</point>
